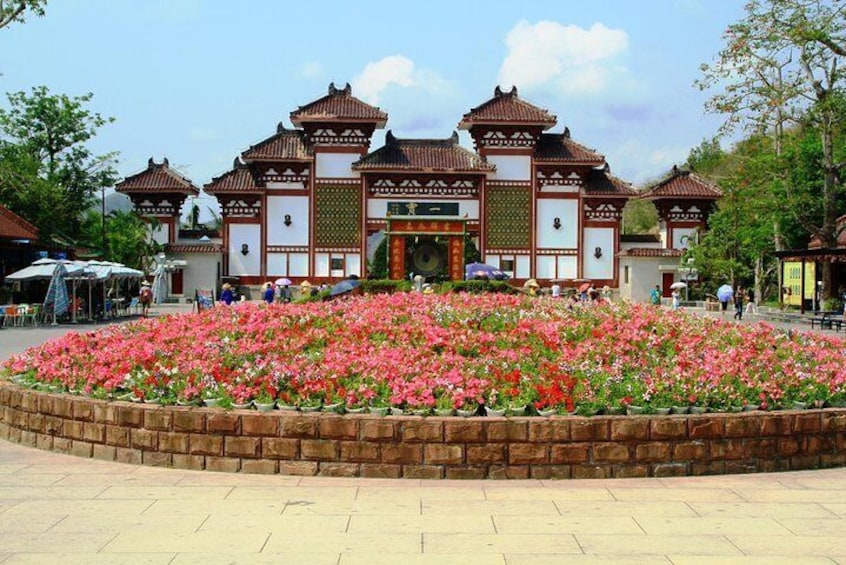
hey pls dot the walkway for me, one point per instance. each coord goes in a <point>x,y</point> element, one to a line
<point>60,508</point>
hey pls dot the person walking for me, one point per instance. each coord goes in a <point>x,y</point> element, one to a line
<point>738,303</point>
<point>226,295</point>
<point>751,307</point>
<point>655,296</point>
<point>676,299</point>
<point>145,298</point>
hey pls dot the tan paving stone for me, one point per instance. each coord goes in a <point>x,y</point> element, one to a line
<point>552,493</point>
<point>829,526</point>
<point>9,468</point>
<point>4,557</point>
<point>791,546</point>
<point>209,478</point>
<point>373,544</point>
<point>279,523</point>
<point>420,559</point>
<point>150,540</point>
<point>29,509</point>
<point>489,508</point>
<point>656,545</point>
<point>308,481</point>
<point>480,524</point>
<point>610,525</point>
<point>255,558</point>
<point>215,506</point>
<point>377,494</point>
<point>77,466</point>
<point>30,523</point>
<point>838,509</point>
<point>114,479</point>
<point>499,543</point>
<point>48,493</point>
<point>311,494</point>
<point>705,526</point>
<point>116,523</point>
<point>795,495</point>
<point>14,542</point>
<point>680,494</point>
<point>748,560</point>
<point>25,480</point>
<point>621,508</point>
<point>91,559</point>
<point>387,507</point>
<point>758,509</point>
<point>553,559</point>
<point>153,492</point>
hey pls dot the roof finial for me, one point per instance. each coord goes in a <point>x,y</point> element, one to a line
<point>332,89</point>
<point>513,91</point>
<point>497,91</point>
<point>454,137</point>
<point>347,89</point>
<point>566,132</point>
<point>166,162</point>
<point>389,138</point>
<point>675,169</point>
<point>150,162</point>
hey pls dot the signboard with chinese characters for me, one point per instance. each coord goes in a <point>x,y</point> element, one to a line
<point>434,225</point>
<point>423,208</point>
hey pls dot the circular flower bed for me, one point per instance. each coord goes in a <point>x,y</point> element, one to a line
<point>423,353</point>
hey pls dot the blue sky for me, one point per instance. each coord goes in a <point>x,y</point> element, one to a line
<point>198,81</point>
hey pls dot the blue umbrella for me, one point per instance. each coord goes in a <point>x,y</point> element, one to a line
<point>56,302</point>
<point>725,293</point>
<point>473,270</point>
<point>343,286</point>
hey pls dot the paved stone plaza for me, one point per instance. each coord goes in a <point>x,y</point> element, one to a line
<point>61,508</point>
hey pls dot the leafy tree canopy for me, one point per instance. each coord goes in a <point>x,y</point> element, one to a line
<point>16,11</point>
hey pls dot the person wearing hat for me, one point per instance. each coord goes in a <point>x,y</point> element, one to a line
<point>145,298</point>
<point>226,295</point>
<point>531,286</point>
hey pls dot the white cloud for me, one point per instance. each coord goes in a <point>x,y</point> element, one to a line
<point>573,59</point>
<point>376,77</point>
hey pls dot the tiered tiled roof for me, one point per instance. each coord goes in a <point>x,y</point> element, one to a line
<point>600,182</point>
<point>507,108</point>
<point>423,155</point>
<point>650,252</point>
<point>683,184</point>
<point>157,177</point>
<point>339,105</point>
<point>284,145</point>
<point>559,147</point>
<point>239,179</point>
<point>13,226</point>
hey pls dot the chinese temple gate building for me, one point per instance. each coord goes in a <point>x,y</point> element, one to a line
<point>313,201</point>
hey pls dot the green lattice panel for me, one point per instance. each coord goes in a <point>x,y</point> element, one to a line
<point>508,217</point>
<point>337,216</point>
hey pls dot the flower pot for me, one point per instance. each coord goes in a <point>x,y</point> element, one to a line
<point>397,411</point>
<point>309,408</point>
<point>356,410</point>
<point>495,412</point>
<point>421,411</point>
<point>698,409</point>
<point>153,400</point>
<point>336,407</point>
<point>465,413</point>
<point>800,405</point>
<point>547,412</point>
<point>242,406</point>
<point>265,406</point>
<point>517,410</point>
<point>680,409</point>
<point>632,410</point>
<point>734,409</point>
<point>286,407</point>
<point>380,410</point>
<point>662,411</point>
<point>444,411</point>
<point>211,402</point>
<point>750,408</point>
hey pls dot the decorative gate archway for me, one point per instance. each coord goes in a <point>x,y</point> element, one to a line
<point>449,227</point>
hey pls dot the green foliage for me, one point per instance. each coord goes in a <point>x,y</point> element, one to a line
<point>16,11</point>
<point>48,175</point>
<point>385,286</point>
<point>379,266</point>
<point>128,238</point>
<point>640,217</point>
<point>478,287</point>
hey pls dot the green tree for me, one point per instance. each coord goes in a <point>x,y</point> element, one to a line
<point>48,175</point>
<point>128,237</point>
<point>781,65</point>
<point>16,11</point>
<point>640,217</point>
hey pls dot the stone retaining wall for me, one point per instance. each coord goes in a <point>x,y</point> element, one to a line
<point>430,448</point>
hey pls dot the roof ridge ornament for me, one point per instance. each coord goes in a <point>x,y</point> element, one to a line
<point>165,162</point>
<point>499,93</point>
<point>150,162</point>
<point>390,139</point>
<point>454,137</point>
<point>566,132</point>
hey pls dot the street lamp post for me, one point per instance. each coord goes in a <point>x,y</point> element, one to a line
<point>103,218</point>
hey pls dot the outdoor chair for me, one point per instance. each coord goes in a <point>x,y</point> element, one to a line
<point>134,306</point>
<point>2,315</point>
<point>12,315</point>
<point>30,314</point>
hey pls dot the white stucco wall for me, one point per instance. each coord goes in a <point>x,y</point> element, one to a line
<point>567,236</point>
<point>512,167</point>
<point>277,265</point>
<point>249,264</point>
<point>644,274</point>
<point>335,165</point>
<point>603,267</point>
<point>277,232</point>
<point>160,233</point>
<point>321,264</point>
<point>200,272</point>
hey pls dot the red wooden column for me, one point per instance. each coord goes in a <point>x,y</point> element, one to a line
<point>456,257</point>
<point>396,264</point>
